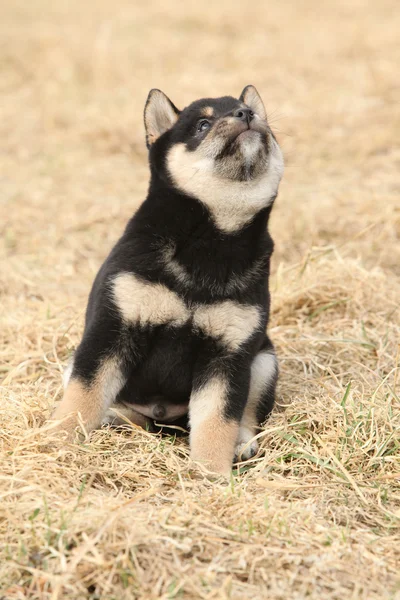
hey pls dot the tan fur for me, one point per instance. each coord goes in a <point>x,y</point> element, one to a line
<point>147,303</point>
<point>88,404</point>
<point>207,111</point>
<point>212,438</point>
<point>232,203</point>
<point>234,323</point>
<point>206,400</point>
<point>213,444</point>
<point>77,399</point>
<point>174,268</point>
<point>159,115</point>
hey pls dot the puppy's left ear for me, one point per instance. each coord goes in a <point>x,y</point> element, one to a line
<point>252,98</point>
<point>159,115</point>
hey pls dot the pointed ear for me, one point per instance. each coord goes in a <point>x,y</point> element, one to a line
<point>252,98</point>
<point>159,115</point>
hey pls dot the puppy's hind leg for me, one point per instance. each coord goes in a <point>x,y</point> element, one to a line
<point>264,375</point>
<point>97,376</point>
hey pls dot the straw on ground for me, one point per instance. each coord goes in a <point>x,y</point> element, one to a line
<point>316,513</point>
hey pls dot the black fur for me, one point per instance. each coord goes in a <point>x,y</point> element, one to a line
<point>164,362</point>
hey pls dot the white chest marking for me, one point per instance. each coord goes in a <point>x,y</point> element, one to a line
<point>232,204</point>
<point>230,321</point>
<point>147,303</point>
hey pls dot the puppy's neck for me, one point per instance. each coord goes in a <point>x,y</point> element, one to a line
<point>232,204</point>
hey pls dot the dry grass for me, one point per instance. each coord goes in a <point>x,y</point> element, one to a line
<point>316,514</point>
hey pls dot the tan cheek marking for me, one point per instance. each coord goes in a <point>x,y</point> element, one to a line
<point>230,321</point>
<point>212,438</point>
<point>90,401</point>
<point>146,303</point>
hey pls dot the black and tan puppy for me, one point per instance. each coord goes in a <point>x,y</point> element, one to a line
<point>177,315</point>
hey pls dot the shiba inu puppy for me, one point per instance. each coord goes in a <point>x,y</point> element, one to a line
<point>176,319</point>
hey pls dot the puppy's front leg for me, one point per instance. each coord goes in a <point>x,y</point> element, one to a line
<point>97,377</point>
<point>215,409</point>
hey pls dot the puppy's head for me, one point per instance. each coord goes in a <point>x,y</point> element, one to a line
<point>215,146</point>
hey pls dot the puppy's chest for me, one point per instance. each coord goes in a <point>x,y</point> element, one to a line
<point>211,274</point>
<point>145,304</point>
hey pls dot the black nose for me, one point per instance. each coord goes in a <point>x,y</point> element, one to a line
<point>244,114</point>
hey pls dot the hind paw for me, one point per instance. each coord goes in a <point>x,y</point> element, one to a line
<point>246,446</point>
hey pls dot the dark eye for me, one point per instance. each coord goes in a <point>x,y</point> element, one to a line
<point>203,125</point>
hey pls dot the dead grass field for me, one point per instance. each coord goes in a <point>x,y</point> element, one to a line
<point>125,516</point>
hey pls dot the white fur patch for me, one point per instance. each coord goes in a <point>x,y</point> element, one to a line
<point>208,401</point>
<point>231,203</point>
<point>263,369</point>
<point>147,303</point>
<point>173,411</point>
<point>68,372</point>
<point>111,381</point>
<point>249,147</point>
<point>121,415</point>
<point>230,321</point>
<point>246,446</point>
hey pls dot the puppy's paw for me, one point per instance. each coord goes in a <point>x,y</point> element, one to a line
<point>211,467</point>
<point>246,446</point>
<point>59,431</point>
<point>211,472</point>
<point>52,437</point>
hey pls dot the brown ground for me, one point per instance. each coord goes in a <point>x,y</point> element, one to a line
<point>125,516</point>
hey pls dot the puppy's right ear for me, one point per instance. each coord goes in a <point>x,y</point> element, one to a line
<point>159,115</point>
